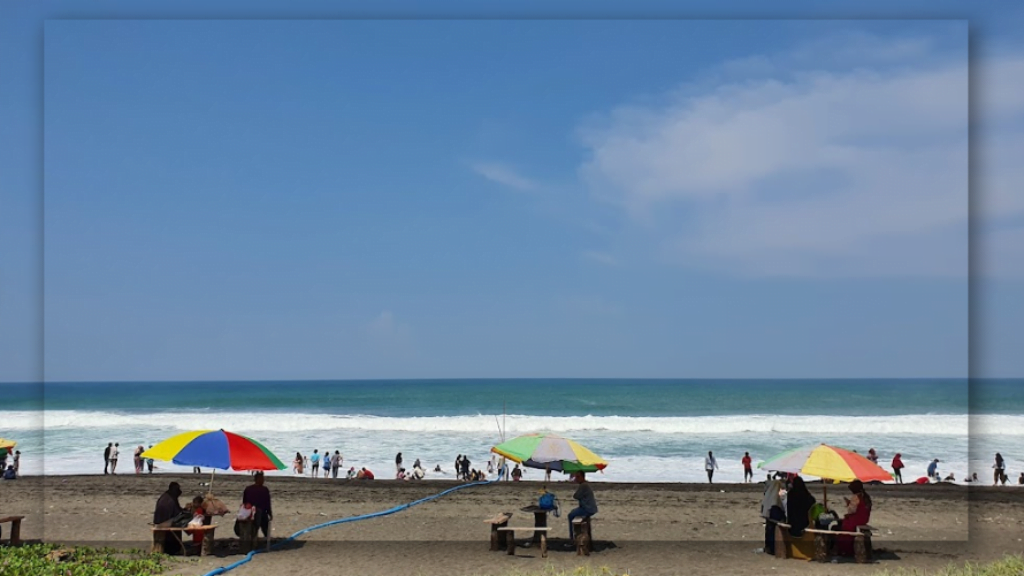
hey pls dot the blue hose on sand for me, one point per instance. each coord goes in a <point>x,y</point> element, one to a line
<point>250,555</point>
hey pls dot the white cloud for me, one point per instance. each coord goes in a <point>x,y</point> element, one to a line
<point>504,175</point>
<point>817,173</point>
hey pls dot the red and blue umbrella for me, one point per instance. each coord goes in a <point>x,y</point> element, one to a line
<point>215,449</point>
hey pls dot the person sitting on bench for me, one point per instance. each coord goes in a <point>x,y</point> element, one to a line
<point>167,510</point>
<point>858,513</point>
<point>798,507</point>
<point>588,503</point>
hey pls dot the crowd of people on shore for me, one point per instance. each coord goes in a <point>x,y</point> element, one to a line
<point>331,465</point>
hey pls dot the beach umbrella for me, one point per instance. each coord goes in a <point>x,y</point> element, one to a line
<point>550,452</point>
<point>217,449</point>
<point>826,462</point>
<point>6,444</point>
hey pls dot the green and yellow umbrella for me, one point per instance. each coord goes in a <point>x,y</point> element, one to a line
<point>550,452</point>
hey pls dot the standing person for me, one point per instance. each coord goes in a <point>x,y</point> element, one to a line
<point>748,472</point>
<point>933,470</point>
<point>710,464</point>
<point>149,463</point>
<point>872,456</point>
<point>999,470</point>
<point>465,467</point>
<point>137,458</point>
<point>113,457</point>
<point>458,467</point>
<point>17,463</point>
<point>297,464</point>
<point>327,464</point>
<point>314,464</point>
<point>398,462</point>
<point>516,473</point>
<point>587,502</point>
<point>259,496</point>
<point>336,462</point>
<point>106,457</point>
<point>897,467</point>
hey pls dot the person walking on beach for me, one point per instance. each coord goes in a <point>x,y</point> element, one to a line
<point>999,472</point>
<point>748,472</point>
<point>398,462</point>
<point>897,466</point>
<point>113,458</point>
<point>106,457</point>
<point>710,464</point>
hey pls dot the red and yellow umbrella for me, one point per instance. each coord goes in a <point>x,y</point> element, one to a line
<point>827,462</point>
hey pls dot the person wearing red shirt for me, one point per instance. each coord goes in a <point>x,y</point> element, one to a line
<point>748,473</point>
<point>897,466</point>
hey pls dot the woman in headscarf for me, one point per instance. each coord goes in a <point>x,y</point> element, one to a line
<point>798,507</point>
<point>858,513</point>
<point>771,509</point>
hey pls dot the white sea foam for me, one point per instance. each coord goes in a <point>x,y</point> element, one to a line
<point>900,425</point>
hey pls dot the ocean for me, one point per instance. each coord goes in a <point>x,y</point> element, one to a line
<point>648,430</point>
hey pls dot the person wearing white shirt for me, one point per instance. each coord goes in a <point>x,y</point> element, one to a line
<point>710,465</point>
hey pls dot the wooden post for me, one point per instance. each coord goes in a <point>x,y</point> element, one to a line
<point>16,532</point>
<point>158,541</point>
<point>207,546</point>
<point>510,538</point>
<point>544,544</point>
<point>540,520</point>
<point>781,545</point>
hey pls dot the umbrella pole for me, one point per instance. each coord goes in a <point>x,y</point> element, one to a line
<point>824,489</point>
<point>211,480</point>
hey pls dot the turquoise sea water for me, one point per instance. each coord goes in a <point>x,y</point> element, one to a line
<point>656,430</point>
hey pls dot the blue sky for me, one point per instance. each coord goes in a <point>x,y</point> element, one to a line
<point>373,199</point>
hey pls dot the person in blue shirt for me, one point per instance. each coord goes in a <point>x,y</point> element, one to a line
<point>933,470</point>
<point>585,495</point>
<point>314,462</point>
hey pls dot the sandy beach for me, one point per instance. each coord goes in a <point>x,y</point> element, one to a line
<point>642,528</point>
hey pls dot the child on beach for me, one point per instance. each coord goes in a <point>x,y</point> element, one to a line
<point>198,519</point>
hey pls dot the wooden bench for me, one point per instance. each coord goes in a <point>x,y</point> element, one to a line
<point>15,528</point>
<point>581,530</point>
<point>510,538</point>
<point>862,551</point>
<point>160,534</point>
<point>498,538</point>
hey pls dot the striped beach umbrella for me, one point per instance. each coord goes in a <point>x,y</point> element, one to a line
<point>550,452</point>
<point>826,462</point>
<point>217,449</point>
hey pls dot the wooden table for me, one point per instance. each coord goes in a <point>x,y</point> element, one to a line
<point>160,532</point>
<point>15,528</point>
<point>540,519</point>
